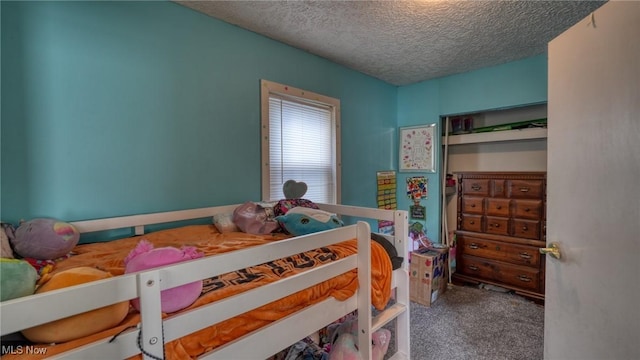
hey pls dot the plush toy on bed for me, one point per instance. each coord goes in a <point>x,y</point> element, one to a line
<point>293,192</point>
<point>301,216</point>
<point>18,279</point>
<point>18,276</point>
<point>144,257</point>
<point>302,221</point>
<point>77,326</point>
<point>6,251</point>
<point>44,239</point>
<point>255,218</point>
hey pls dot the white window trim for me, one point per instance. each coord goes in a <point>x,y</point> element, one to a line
<point>269,87</point>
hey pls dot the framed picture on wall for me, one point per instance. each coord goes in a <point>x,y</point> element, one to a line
<point>417,148</point>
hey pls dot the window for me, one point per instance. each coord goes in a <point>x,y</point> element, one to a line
<point>300,141</point>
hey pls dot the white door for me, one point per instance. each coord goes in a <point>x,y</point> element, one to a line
<point>592,302</point>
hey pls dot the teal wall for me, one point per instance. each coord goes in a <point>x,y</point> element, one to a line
<point>114,108</point>
<point>513,84</point>
<point>418,104</point>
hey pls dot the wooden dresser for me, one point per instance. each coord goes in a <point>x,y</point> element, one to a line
<point>500,227</point>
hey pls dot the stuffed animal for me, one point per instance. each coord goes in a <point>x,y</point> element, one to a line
<point>302,220</point>
<point>345,342</point>
<point>144,257</point>
<point>255,218</point>
<point>18,279</point>
<point>77,326</point>
<point>44,239</point>
<point>6,252</point>
<point>345,348</point>
<point>224,223</point>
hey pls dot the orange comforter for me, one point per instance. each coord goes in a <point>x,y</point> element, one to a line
<point>110,257</point>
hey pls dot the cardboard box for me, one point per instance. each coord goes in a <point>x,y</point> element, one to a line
<point>429,275</point>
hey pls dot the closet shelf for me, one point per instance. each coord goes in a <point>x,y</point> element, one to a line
<point>496,136</point>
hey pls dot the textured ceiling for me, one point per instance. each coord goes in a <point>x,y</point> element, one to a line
<point>403,42</point>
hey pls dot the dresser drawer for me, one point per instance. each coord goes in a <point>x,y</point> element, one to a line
<point>498,188</point>
<point>472,205</point>
<point>498,250</point>
<point>528,189</point>
<point>515,275</point>
<point>529,229</point>
<point>527,209</point>
<point>498,207</point>
<point>478,187</point>
<point>497,225</point>
<point>471,222</point>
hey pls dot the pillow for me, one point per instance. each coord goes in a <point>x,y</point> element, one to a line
<point>396,261</point>
<point>224,223</point>
<point>77,326</point>
<point>302,221</point>
<point>294,189</point>
<point>144,257</point>
<point>255,218</point>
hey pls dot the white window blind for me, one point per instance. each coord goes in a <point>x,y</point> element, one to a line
<point>302,147</point>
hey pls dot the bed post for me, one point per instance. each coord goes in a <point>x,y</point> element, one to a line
<point>151,341</point>
<point>403,326</point>
<point>363,232</point>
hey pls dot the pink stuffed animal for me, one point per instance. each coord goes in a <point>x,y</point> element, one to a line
<point>345,345</point>
<point>144,257</point>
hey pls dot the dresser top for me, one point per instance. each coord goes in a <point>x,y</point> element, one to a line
<point>515,175</point>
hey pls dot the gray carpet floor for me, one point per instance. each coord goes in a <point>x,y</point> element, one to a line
<point>467,323</point>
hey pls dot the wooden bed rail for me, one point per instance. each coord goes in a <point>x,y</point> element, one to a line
<point>139,221</point>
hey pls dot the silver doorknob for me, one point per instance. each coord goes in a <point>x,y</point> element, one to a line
<point>552,250</point>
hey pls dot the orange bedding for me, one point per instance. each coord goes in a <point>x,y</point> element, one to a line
<point>110,257</point>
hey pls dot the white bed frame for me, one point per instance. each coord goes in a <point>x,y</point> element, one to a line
<point>22,313</point>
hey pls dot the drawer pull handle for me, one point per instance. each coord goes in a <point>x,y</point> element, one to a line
<point>473,268</point>
<point>473,205</point>
<point>476,187</point>
<point>472,222</point>
<point>499,207</point>
<point>524,278</point>
<point>524,189</point>
<point>527,209</point>
<point>473,246</point>
<point>495,225</point>
<point>524,228</point>
<point>525,256</point>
